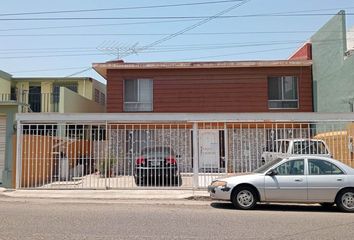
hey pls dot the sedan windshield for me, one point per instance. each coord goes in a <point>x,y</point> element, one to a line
<point>268,165</point>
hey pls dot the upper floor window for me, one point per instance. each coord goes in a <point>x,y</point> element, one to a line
<point>14,92</point>
<point>138,95</point>
<point>283,92</point>
<point>72,86</point>
<point>56,89</point>
<point>102,98</point>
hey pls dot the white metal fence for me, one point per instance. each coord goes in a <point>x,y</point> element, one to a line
<point>166,151</point>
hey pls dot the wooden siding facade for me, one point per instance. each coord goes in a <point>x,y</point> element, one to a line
<point>203,90</point>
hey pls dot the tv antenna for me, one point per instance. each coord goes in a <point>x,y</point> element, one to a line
<point>118,50</point>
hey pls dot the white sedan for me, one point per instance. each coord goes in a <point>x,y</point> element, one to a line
<point>302,179</point>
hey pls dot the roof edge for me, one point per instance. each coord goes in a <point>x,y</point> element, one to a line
<point>101,68</point>
<point>5,75</point>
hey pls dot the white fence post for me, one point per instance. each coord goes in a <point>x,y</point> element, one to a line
<point>226,145</point>
<point>195,156</point>
<point>18,155</point>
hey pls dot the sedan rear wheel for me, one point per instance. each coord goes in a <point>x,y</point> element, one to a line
<point>244,198</point>
<point>345,200</point>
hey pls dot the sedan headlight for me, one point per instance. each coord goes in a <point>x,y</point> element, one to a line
<point>218,183</point>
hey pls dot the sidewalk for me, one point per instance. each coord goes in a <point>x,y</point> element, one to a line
<point>136,194</point>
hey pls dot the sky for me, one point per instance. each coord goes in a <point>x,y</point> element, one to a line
<point>62,45</point>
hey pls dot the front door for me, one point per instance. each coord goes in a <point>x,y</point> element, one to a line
<point>209,151</point>
<point>289,185</point>
<point>209,156</point>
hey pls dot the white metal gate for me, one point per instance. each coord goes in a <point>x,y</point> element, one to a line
<point>80,151</point>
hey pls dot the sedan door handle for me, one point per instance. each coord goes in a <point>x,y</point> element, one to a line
<point>298,180</point>
<point>339,179</point>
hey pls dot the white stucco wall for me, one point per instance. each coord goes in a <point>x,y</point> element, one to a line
<point>350,39</point>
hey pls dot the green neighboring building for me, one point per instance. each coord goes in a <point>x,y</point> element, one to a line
<point>333,67</point>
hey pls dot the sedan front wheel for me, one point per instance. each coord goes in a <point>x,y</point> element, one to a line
<point>244,198</point>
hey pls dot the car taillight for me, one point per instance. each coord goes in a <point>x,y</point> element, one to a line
<point>170,160</point>
<point>140,161</point>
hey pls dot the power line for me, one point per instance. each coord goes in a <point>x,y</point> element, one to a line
<point>96,25</point>
<point>47,70</point>
<point>155,6</point>
<point>45,49</point>
<point>187,29</point>
<point>70,49</point>
<point>149,22</point>
<point>120,8</point>
<point>203,57</point>
<point>173,17</point>
<point>163,50</point>
<point>248,43</point>
<point>55,55</point>
<point>182,31</point>
<point>150,34</point>
<point>231,54</point>
<point>160,49</point>
<point>76,73</point>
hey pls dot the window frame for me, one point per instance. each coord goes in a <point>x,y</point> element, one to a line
<point>282,93</point>
<point>298,159</point>
<point>97,95</point>
<point>319,145</point>
<point>152,94</point>
<point>102,98</point>
<point>308,168</point>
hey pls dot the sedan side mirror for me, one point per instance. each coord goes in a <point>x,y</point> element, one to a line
<point>272,172</point>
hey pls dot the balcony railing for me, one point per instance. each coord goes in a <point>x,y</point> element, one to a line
<point>32,102</point>
<point>6,97</point>
<point>15,98</point>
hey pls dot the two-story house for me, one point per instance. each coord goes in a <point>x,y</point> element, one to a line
<point>43,94</point>
<point>208,87</point>
<point>54,94</point>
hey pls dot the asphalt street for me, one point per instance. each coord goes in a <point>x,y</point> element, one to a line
<point>187,219</point>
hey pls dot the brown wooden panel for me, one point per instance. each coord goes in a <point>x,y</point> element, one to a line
<point>38,158</point>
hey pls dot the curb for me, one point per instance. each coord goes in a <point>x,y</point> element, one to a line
<point>112,195</point>
<point>106,201</point>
